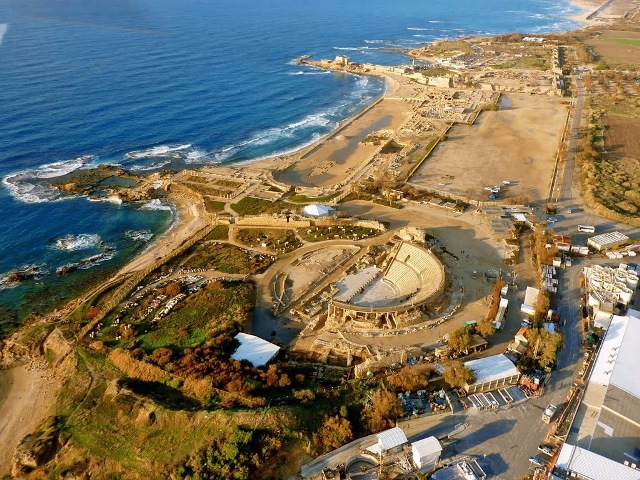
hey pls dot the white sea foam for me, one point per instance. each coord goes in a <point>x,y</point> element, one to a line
<point>299,72</point>
<point>375,41</point>
<point>27,185</point>
<point>197,156</point>
<point>158,151</point>
<point>151,166</point>
<point>269,135</point>
<point>155,204</point>
<point>139,235</point>
<point>111,199</point>
<point>435,21</point>
<point>77,242</point>
<point>418,28</point>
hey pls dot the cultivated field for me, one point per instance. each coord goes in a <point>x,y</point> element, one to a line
<point>517,143</point>
<point>617,47</point>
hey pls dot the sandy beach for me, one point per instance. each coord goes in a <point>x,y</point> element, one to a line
<point>26,398</point>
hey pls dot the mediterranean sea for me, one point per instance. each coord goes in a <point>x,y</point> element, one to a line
<point>84,82</point>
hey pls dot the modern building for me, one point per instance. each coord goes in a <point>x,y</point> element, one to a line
<point>608,419</point>
<point>426,453</point>
<point>575,462</point>
<point>254,349</point>
<point>530,300</point>
<point>492,372</point>
<point>607,241</point>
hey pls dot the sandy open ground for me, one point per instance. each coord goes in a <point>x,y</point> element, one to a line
<point>26,398</point>
<point>517,143</point>
<point>332,160</point>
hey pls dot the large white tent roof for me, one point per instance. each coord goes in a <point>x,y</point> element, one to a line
<point>317,211</point>
<point>254,349</point>
<point>388,439</point>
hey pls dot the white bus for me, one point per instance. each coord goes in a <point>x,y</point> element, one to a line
<point>586,228</point>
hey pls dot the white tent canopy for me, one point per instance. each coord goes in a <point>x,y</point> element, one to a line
<point>317,211</point>
<point>254,349</point>
<point>388,440</point>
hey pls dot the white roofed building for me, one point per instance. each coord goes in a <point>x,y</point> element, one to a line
<point>606,241</point>
<point>576,462</point>
<point>426,453</point>
<point>608,419</point>
<point>254,349</point>
<point>491,373</point>
<point>390,440</point>
<point>530,300</point>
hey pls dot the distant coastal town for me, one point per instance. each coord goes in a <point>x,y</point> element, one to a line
<point>444,286</point>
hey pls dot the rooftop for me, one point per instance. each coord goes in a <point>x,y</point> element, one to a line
<point>492,368</point>
<point>593,466</point>
<point>254,349</point>
<point>427,446</point>
<point>610,237</point>
<point>617,358</point>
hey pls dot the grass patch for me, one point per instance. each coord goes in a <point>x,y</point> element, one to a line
<point>225,258</point>
<point>187,325</point>
<point>220,232</point>
<point>535,63</point>
<point>624,41</point>
<point>257,206</point>
<point>213,206</point>
<point>273,239</point>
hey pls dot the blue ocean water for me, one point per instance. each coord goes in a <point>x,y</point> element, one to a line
<point>215,81</point>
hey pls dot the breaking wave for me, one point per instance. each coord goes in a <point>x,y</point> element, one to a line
<point>81,241</point>
<point>28,185</point>
<point>159,151</point>
<point>155,204</point>
<point>139,235</point>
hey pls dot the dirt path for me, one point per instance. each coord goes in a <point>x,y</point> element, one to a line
<point>27,393</point>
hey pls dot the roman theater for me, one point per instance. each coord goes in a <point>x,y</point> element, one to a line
<point>391,296</point>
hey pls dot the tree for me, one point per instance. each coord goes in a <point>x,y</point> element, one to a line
<point>410,378</point>
<point>458,375</point>
<point>384,410</point>
<point>334,433</point>
<point>172,289</point>
<point>486,327</point>
<point>460,339</point>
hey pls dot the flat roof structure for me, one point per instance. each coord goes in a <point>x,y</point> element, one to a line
<point>607,240</point>
<point>581,463</point>
<point>492,372</point>
<point>254,349</point>
<point>608,419</point>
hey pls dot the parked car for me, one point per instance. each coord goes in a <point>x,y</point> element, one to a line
<point>537,461</point>
<point>546,448</point>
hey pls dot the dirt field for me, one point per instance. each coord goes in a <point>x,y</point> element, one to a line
<point>622,136</point>
<point>334,159</point>
<point>518,143</point>
<point>610,48</point>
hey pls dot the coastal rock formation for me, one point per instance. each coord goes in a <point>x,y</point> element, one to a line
<point>36,449</point>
